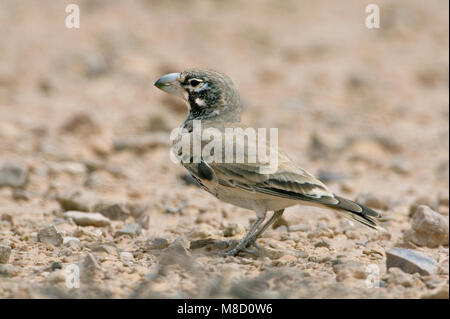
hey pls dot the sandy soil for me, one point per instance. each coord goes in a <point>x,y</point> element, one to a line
<point>82,128</point>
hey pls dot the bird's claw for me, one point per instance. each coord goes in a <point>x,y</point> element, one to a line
<point>244,248</point>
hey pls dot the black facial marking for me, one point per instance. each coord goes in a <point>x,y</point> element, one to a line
<point>210,94</point>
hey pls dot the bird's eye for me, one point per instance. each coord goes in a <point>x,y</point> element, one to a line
<point>195,82</point>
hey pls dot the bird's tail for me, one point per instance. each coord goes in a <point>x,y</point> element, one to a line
<point>362,214</point>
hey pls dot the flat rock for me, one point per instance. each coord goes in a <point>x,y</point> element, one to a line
<point>131,230</point>
<point>50,235</point>
<point>13,174</point>
<point>78,201</point>
<point>410,261</point>
<point>88,219</point>
<point>429,228</point>
<point>5,253</point>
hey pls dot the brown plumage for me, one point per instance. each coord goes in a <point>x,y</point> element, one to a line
<point>213,99</point>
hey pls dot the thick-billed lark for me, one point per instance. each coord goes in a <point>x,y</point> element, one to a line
<point>213,99</point>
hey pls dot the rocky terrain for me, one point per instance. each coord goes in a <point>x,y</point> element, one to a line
<point>87,189</point>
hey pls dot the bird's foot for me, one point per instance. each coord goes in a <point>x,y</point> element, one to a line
<point>243,247</point>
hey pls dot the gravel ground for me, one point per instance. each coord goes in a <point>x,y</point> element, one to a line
<point>87,187</point>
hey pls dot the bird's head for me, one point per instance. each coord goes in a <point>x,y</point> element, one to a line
<point>208,93</point>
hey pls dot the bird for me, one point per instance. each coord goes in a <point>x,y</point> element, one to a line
<point>214,101</point>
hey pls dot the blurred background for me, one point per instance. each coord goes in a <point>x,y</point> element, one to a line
<point>366,110</point>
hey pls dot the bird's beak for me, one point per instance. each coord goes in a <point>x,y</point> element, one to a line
<point>169,83</point>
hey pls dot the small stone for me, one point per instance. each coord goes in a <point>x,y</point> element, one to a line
<point>410,261</point>
<point>20,194</point>
<point>352,234</point>
<point>349,269</point>
<point>7,218</point>
<point>401,166</point>
<point>89,266</point>
<point>157,243</point>
<point>429,228</point>
<point>144,221</point>
<point>64,252</point>
<point>71,241</point>
<point>301,254</point>
<point>398,277</point>
<point>126,257</point>
<point>109,249</point>
<point>130,230</point>
<point>321,232</point>
<point>372,201</point>
<point>115,211</point>
<point>9,270</point>
<point>299,227</point>
<point>346,187</point>
<point>56,265</point>
<point>286,260</point>
<point>173,210</point>
<point>88,219</point>
<point>200,243</point>
<point>427,201</point>
<point>374,250</point>
<point>176,253</point>
<point>324,242</point>
<point>137,210</point>
<point>13,174</point>
<point>273,253</point>
<point>204,230</point>
<point>5,253</point>
<point>233,230</point>
<point>71,168</point>
<point>82,124</point>
<point>50,235</point>
<point>433,282</point>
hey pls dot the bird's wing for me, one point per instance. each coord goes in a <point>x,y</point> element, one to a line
<point>285,180</point>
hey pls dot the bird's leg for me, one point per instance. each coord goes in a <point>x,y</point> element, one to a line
<point>277,214</point>
<point>244,242</point>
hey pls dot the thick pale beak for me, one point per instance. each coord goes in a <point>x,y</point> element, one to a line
<point>169,83</point>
